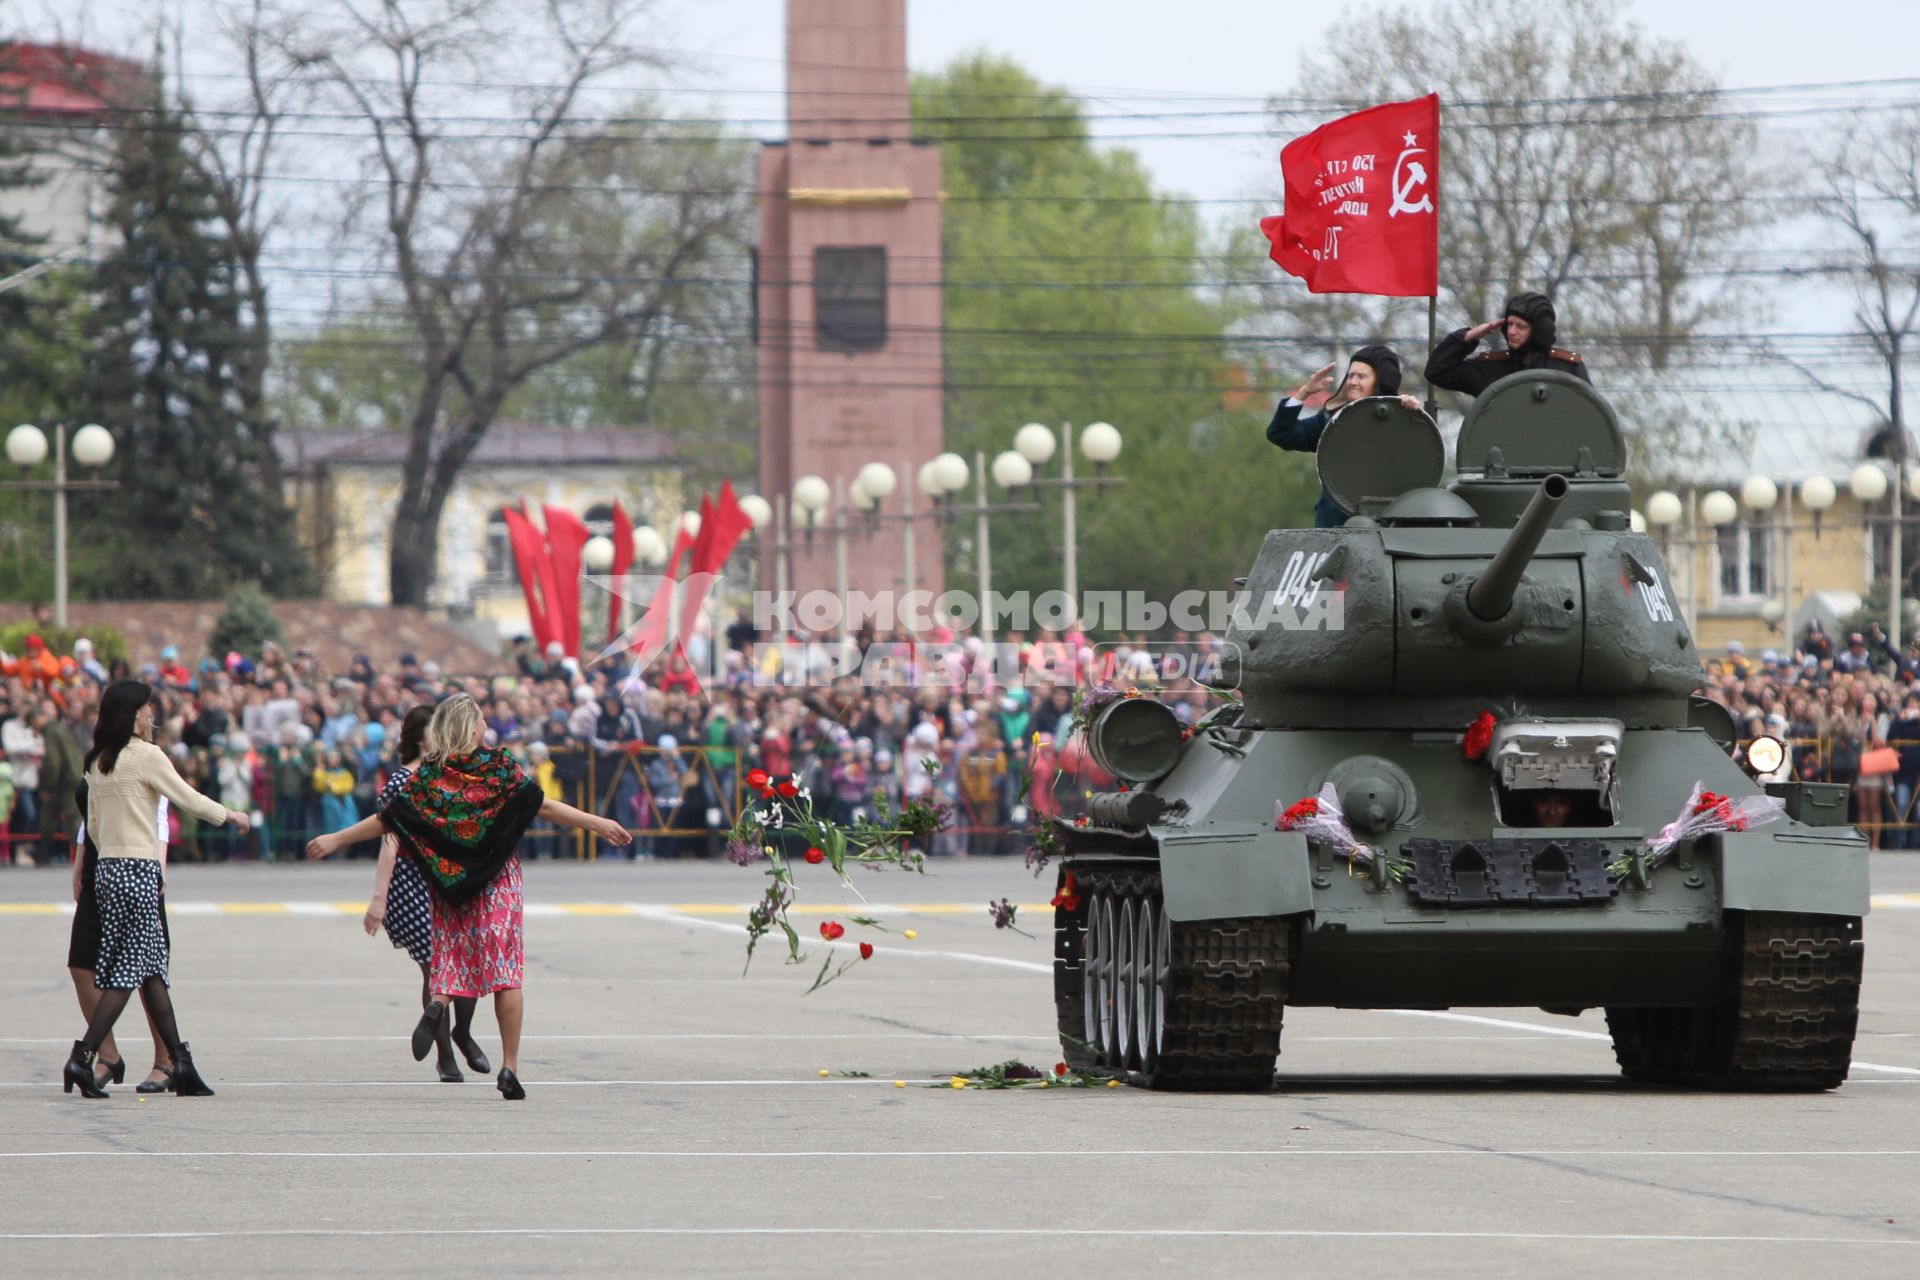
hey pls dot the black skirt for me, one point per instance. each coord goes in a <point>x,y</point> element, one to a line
<point>83,943</point>
<point>133,946</point>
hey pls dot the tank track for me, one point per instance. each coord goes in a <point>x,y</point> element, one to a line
<point>1225,987</point>
<point>1785,1020</point>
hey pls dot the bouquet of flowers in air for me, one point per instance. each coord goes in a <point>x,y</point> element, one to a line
<point>1707,813</point>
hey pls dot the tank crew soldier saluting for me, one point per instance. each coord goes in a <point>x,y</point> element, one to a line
<point>1529,325</point>
<point>1373,371</point>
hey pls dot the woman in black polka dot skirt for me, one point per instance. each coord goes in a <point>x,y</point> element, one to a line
<point>126,777</point>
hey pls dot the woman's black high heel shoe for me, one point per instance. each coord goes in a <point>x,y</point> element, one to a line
<point>79,1071</point>
<point>184,1080</point>
<point>116,1071</point>
<point>427,1028</point>
<point>450,1074</point>
<point>509,1086</point>
<point>470,1050</point>
<point>156,1086</point>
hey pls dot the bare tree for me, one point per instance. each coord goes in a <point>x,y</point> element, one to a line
<point>1868,193</point>
<point>1580,158</point>
<point>477,219</point>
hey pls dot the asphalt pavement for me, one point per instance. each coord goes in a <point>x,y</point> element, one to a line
<point>686,1120</point>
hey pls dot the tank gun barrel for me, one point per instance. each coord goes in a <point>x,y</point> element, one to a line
<point>1491,595</point>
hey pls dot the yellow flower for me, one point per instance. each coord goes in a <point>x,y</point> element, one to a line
<point>1113,1084</point>
<point>824,1073</point>
<point>899,1084</point>
<point>910,935</point>
<point>958,1082</point>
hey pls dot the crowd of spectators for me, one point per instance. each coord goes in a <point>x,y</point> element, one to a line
<point>306,750</point>
<point>1848,709</point>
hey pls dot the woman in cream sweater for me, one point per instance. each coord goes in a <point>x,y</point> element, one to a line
<point>126,777</point>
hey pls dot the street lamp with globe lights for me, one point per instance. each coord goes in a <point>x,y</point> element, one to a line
<point>92,447</point>
<point>1035,444</point>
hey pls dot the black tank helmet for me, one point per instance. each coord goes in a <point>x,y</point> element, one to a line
<point>1537,310</point>
<point>1385,366</point>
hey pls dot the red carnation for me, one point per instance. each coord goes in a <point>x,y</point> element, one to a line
<point>1298,812</point>
<point>816,856</point>
<point>831,929</point>
<point>787,789</point>
<point>1069,895</point>
<point>1479,737</point>
<point>1708,800</point>
<point>866,951</point>
<point>758,779</point>
<point>1059,1068</point>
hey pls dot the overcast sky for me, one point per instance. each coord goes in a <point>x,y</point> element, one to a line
<point>1114,52</point>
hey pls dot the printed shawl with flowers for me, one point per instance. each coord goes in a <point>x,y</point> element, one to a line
<point>462,817</point>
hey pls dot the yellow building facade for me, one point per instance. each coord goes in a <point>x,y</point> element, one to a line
<point>345,486</point>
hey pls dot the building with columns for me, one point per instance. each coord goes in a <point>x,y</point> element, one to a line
<point>848,288</point>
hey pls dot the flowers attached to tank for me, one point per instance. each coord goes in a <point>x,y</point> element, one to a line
<point>1707,813</point>
<point>1475,742</point>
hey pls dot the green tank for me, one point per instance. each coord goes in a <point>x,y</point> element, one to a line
<point>1191,916</point>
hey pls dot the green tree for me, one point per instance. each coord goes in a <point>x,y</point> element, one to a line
<point>246,624</point>
<point>1074,293</point>
<point>198,511</point>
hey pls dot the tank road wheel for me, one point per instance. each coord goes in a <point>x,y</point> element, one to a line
<point>1785,1020</point>
<point>1125,942</point>
<point>1201,1001</point>
<point>1148,972</point>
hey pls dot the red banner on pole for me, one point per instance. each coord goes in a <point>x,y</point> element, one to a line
<point>566,535</point>
<point>531,560</point>
<point>1363,203</point>
<point>622,561</point>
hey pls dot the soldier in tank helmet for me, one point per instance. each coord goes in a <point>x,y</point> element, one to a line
<point>1528,325</point>
<point>1373,371</point>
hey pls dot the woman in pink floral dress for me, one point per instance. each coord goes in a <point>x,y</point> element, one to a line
<point>461,815</point>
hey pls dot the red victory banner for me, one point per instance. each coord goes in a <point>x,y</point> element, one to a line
<point>1362,207</point>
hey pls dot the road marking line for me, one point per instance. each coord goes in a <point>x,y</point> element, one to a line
<point>1105,1154</point>
<point>1225,1233</point>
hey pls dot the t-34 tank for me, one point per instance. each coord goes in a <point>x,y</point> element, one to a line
<point>1520,863</point>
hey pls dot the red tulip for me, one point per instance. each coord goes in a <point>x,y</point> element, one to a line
<point>866,951</point>
<point>787,789</point>
<point>831,929</point>
<point>758,779</point>
<point>816,856</point>
<point>1059,1068</point>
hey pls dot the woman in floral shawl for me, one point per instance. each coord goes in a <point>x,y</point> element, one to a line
<point>461,815</point>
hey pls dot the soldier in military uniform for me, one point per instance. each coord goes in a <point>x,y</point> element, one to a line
<point>1529,328</point>
<point>1373,371</point>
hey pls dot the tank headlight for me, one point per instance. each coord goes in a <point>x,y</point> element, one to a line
<point>1765,755</point>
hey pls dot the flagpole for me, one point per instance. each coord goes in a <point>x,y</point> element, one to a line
<point>1433,328</point>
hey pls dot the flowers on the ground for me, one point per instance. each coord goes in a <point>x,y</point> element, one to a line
<point>866,951</point>
<point>832,930</point>
<point>1003,913</point>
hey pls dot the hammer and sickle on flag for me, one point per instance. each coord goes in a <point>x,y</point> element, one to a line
<point>1409,175</point>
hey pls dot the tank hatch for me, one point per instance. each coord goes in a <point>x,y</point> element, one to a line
<point>1536,423</point>
<point>1374,450</point>
<point>1428,507</point>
